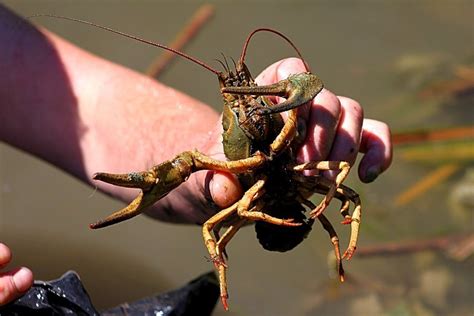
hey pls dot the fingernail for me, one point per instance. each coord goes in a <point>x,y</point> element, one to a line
<point>372,173</point>
<point>225,189</point>
<point>23,279</point>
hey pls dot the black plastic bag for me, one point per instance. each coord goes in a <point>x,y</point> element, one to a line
<point>67,296</point>
<point>64,296</point>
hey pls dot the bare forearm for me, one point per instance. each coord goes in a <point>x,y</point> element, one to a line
<point>85,114</point>
<point>34,93</point>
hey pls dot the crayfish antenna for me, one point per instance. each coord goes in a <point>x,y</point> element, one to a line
<point>247,41</point>
<point>133,37</point>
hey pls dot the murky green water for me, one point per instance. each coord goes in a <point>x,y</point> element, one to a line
<point>354,46</point>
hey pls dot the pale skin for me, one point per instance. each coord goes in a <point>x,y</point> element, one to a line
<point>85,114</point>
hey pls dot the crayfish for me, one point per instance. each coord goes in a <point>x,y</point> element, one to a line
<point>261,150</point>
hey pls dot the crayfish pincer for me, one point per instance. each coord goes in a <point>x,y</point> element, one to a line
<point>260,147</point>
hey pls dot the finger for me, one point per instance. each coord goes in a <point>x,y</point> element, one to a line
<point>324,118</point>
<point>5,255</point>
<point>347,141</point>
<point>14,283</point>
<point>376,143</point>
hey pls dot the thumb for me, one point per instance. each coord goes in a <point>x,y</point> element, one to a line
<point>224,187</point>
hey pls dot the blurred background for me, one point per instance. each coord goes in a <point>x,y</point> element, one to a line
<point>409,63</point>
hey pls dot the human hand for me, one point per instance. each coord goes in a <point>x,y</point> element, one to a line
<point>13,283</point>
<point>336,127</point>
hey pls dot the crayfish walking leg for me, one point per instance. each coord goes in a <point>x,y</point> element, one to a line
<point>332,234</point>
<point>244,206</point>
<point>244,210</point>
<point>344,168</point>
<point>216,249</point>
<point>345,193</point>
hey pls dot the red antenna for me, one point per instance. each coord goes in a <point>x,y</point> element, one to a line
<point>136,38</point>
<point>247,41</point>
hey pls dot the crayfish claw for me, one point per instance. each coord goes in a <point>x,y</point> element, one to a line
<point>136,207</point>
<point>142,180</point>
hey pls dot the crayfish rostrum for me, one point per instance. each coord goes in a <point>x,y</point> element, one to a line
<point>260,147</point>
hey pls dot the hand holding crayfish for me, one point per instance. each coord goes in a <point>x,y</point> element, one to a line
<point>91,115</point>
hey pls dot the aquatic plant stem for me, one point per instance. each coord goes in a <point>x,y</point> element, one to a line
<point>424,184</point>
<point>197,21</point>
